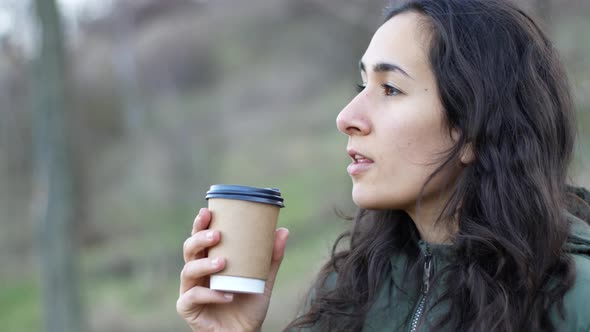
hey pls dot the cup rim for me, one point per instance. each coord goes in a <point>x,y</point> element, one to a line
<point>245,193</point>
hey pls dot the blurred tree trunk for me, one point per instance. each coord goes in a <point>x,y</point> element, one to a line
<point>52,186</point>
<point>125,63</point>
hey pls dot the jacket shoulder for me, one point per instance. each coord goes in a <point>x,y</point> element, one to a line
<point>577,317</point>
<point>577,311</point>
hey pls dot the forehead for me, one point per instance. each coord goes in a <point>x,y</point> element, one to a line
<point>403,40</point>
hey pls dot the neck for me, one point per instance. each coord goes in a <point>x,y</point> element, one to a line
<point>430,229</point>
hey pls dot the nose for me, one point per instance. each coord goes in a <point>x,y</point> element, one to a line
<point>352,120</point>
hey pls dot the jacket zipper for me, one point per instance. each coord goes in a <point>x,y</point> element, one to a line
<point>425,287</point>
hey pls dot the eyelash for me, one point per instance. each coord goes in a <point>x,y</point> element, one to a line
<point>396,91</point>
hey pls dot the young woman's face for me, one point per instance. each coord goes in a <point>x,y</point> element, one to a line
<point>396,127</point>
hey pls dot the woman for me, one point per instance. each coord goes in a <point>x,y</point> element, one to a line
<point>461,137</point>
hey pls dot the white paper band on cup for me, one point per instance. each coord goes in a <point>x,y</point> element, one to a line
<point>237,284</point>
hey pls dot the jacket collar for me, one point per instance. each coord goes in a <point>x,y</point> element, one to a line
<point>579,237</point>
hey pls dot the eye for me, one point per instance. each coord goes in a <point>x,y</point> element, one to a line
<point>390,90</point>
<point>359,87</point>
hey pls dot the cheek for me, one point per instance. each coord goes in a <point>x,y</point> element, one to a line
<point>420,140</point>
<point>416,145</point>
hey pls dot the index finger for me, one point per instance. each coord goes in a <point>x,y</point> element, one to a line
<point>201,221</point>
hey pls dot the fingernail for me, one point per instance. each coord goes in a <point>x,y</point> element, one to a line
<point>286,233</point>
<point>209,235</point>
<point>228,296</point>
<point>215,261</point>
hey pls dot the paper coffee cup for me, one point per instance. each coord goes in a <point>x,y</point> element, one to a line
<point>247,219</point>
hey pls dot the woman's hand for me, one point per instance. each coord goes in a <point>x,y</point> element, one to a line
<point>205,309</point>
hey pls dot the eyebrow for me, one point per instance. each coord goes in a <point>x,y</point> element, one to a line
<point>384,67</point>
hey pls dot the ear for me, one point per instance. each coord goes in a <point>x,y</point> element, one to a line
<point>467,155</point>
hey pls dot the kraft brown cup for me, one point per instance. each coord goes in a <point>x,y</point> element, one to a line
<point>246,218</point>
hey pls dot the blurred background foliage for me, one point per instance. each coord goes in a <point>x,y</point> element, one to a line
<point>165,98</point>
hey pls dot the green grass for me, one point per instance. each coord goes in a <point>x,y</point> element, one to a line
<point>20,309</point>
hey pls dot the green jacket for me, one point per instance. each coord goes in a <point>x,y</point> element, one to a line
<point>399,306</point>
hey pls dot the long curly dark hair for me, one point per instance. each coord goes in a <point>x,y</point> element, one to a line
<point>504,89</point>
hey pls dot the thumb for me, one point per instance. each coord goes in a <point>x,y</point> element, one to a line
<point>278,252</point>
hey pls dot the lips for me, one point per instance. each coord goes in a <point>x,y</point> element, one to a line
<point>358,157</point>
<point>360,162</point>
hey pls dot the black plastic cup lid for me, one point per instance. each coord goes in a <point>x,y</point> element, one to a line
<point>245,193</point>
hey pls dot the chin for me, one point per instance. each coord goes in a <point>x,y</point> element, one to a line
<point>371,200</point>
<point>365,200</point>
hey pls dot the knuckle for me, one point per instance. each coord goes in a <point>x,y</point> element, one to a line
<point>197,223</point>
<point>179,306</point>
<point>187,243</point>
<point>184,272</point>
